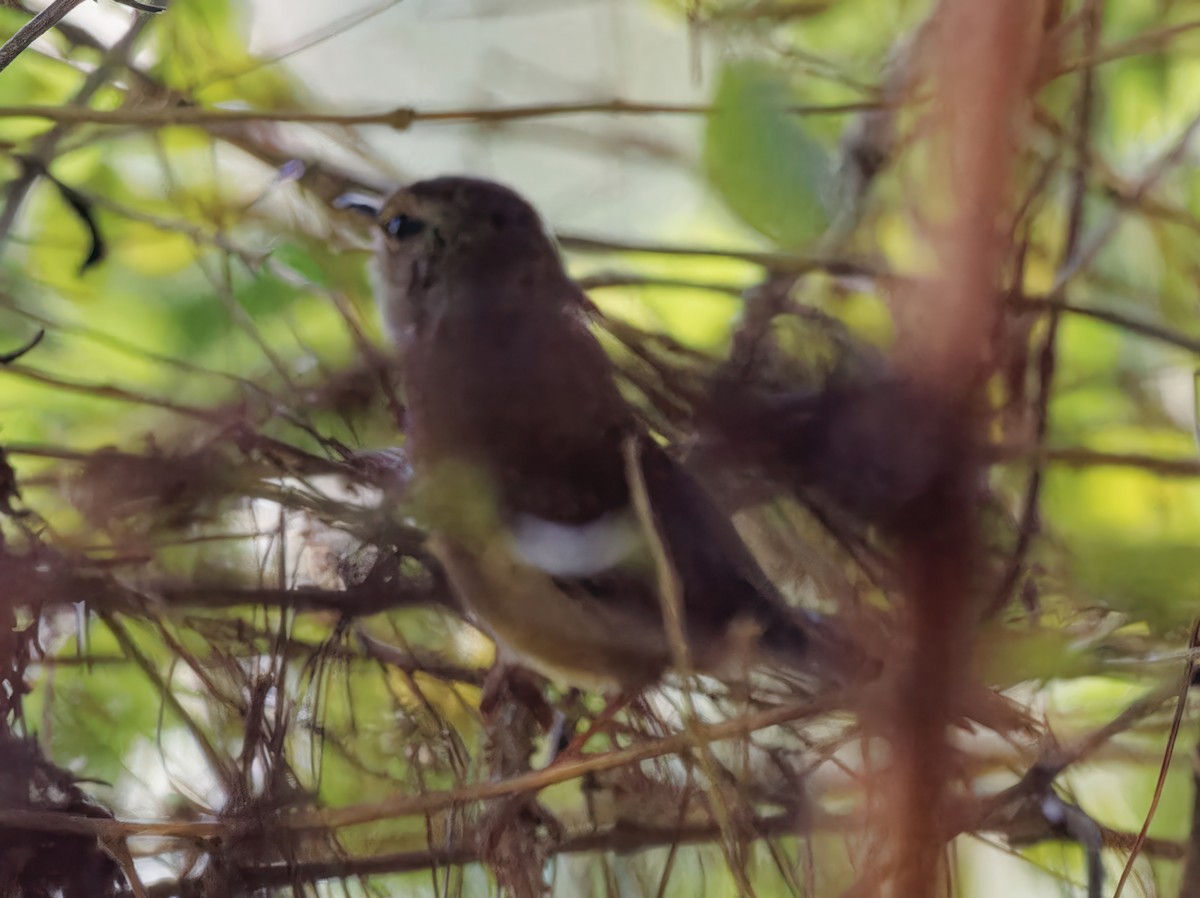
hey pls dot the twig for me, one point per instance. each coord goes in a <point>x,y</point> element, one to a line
<point>619,839</point>
<point>102,827</point>
<point>1152,40</point>
<point>61,583</point>
<point>1028,524</point>
<point>9,357</point>
<point>1185,685</point>
<point>1190,881</point>
<point>400,118</point>
<point>563,771</point>
<point>411,805</point>
<point>774,11</point>
<point>43,148</point>
<point>1082,457</point>
<point>670,595</point>
<point>607,279</point>
<point>784,263</point>
<point>1102,234</point>
<point>1148,329</point>
<point>220,768</point>
<point>118,849</point>
<point>103,391</point>
<point>33,29</point>
<point>414,662</point>
<point>1039,777</point>
<point>1032,302</point>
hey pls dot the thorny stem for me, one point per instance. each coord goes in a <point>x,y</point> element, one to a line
<point>982,58</point>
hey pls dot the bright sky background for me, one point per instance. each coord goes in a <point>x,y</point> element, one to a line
<point>591,172</point>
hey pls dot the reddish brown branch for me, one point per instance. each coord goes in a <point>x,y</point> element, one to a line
<point>982,60</point>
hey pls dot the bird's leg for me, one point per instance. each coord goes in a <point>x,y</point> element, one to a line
<point>507,684</point>
<point>574,749</point>
<point>566,719</point>
<point>512,833</point>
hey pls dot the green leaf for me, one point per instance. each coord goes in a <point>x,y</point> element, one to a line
<point>1155,581</point>
<point>202,50</point>
<point>121,705</point>
<point>760,158</point>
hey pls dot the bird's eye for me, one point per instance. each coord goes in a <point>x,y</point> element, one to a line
<point>403,226</point>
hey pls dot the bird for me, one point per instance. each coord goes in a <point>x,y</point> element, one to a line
<point>562,523</point>
<point>863,444</point>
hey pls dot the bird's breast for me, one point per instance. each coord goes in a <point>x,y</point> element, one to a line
<point>533,402</point>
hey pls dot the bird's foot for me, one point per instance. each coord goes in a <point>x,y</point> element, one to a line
<point>510,684</point>
<point>515,714</point>
<point>574,748</point>
<point>515,837</point>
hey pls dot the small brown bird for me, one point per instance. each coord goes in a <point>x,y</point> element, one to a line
<point>529,461</point>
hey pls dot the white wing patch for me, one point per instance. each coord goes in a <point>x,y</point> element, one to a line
<point>577,550</point>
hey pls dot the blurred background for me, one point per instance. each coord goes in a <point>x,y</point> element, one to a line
<point>187,496</point>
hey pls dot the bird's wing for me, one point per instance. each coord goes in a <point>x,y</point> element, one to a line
<point>578,638</point>
<point>608,563</point>
<point>722,582</point>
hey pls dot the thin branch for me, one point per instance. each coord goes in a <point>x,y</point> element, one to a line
<point>417,662</point>
<point>670,595</point>
<point>1083,457</point>
<point>9,357</point>
<point>1149,329</point>
<point>221,768</point>
<point>44,146</point>
<point>564,771</point>
<point>773,11</point>
<point>621,839</point>
<point>1190,884</point>
<point>400,118</point>
<point>1029,523</point>
<point>1042,303</point>
<point>33,29</point>
<point>412,805</point>
<point>1152,40</point>
<point>1100,236</point>
<point>355,602</point>
<point>104,391</point>
<point>1185,685</point>
<point>784,263</point>
<point>602,280</point>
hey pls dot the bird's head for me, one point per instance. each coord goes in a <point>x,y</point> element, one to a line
<point>455,233</point>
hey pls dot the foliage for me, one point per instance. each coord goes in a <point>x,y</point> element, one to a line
<point>221,614</point>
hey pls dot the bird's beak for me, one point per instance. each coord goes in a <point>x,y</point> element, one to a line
<point>361,203</point>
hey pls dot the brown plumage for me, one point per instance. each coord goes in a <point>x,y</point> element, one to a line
<point>510,395</point>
